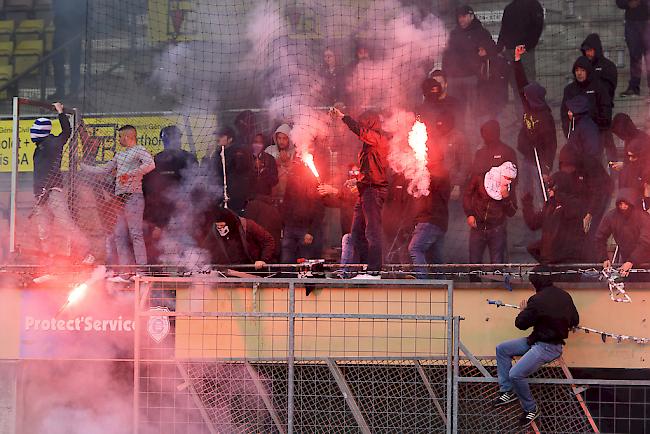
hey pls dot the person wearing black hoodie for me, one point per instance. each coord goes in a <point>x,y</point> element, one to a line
<point>637,38</point>
<point>461,61</point>
<point>635,167</point>
<point>522,24</point>
<point>586,83</point>
<point>437,102</point>
<point>625,129</point>
<point>630,227</point>
<point>537,130</point>
<point>551,313</point>
<point>495,152</point>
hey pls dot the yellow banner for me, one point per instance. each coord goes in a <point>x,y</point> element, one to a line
<point>105,128</point>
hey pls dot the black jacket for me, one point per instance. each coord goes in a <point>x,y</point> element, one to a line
<point>302,206</point>
<point>560,220</point>
<point>492,92</point>
<point>624,127</point>
<point>604,69</point>
<point>434,208</point>
<point>239,173</point>
<point>640,13</point>
<point>47,158</point>
<point>538,128</point>
<point>633,172</point>
<point>489,213</point>
<point>265,175</point>
<point>551,313</point>
<point>522,24</point>
<point>461,58</point>
<point>372,157</point>
<point>631,230</point>
<point>600,102</point>
<point>261,210</point>
<point>495,152</point>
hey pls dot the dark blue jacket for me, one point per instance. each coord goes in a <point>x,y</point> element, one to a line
<point>47,158</point>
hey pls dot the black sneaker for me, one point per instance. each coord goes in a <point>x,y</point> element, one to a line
<point>630,92</point>
<point>505,398</point>
<point>528,417</point>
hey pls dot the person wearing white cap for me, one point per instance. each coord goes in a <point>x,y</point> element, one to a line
<point>51,202</point>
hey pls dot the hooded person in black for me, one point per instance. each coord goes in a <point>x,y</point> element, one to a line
<point>635,167</point>
<point>537,130</point>
<point>436,102</point>
<point>630,227</point>
<point>551,313</point>
<point>585,83</point>
<point>495,152</point>
<point>522,24</point>
<point>637,13</point>
<point>625,129</point>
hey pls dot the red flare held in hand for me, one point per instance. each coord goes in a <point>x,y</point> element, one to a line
<point>308,159</point>
<point>417,140</point>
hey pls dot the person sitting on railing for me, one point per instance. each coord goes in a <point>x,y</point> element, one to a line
<point>231,239</point>
<point>551,313</point>
<point>630,227</point>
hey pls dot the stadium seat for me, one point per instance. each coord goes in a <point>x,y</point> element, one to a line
<point>7,28</point>
<point>6,52</point>
<point>27,53</point>
<point>29,30</point>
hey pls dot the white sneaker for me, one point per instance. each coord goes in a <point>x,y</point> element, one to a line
<point>88,260</point>
<point>366,276</point>
<point>119,279</point>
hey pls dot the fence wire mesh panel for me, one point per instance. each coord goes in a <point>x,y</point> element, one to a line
<point>251,356</point>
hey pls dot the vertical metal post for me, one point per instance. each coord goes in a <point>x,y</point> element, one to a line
<point>291,356</point>
<point>450,349</point>
<point>136,357</point>
<point>456,374</point>
<point>15,146</point>
<point>73,154</point>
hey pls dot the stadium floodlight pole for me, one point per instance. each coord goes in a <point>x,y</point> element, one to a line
<point>225,178</point>
<point>539,172</point>
<point>15,145</point>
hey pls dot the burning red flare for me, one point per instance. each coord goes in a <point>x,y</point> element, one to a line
<point>308,159</point>
<point>418,142</point>
<point>77,293</point>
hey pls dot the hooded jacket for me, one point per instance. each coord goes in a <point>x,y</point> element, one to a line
<point>538,127</point>
<point>604,69</point>
<point>600,102</point>
<point>631,230</point>
<point>560,220</point>
<point>522,24</point>
<point>372,157</point>
<point>639,13</point>
<point>47,158</point>
<point>495,152</point>
<point>489,213</point>
<point>550,312</point>
<point>624,127</point>
<point>461,58</point>
<point>283,165</point>
<point>632,174</point>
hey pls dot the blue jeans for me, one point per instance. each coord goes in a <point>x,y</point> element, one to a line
<point>429,238</point>
<point>294,247</point>
<point>494,239</point>
<point>532,358</point>
<point>366,225</point>
<point>129,238</point>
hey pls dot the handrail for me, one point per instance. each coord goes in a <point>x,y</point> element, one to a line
<point>38,64</point>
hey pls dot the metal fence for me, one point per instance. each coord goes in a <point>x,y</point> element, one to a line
<point>283,356</point>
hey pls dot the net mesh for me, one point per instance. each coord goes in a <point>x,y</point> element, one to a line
<point>254,65</point>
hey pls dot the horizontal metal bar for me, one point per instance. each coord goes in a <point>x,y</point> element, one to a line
<point>559,381</point>
<point>300,282</point>
<point>297,315</point>
<point>428,358</point>
<point>43,105</point>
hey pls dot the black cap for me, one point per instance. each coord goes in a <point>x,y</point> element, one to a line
<point>464,10</point>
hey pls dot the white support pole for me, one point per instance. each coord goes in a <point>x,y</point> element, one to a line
<point>15,146</point>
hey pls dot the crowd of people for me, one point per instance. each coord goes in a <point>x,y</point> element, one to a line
<point>261,204</point>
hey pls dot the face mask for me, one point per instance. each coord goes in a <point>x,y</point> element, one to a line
<point>223,231</point>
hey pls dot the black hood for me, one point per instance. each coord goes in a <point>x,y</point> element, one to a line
<point>565,187</point>
<point>568,156</point>
<point>491,132</point>
<point>540,277</point>
<point>593,41</point>
<point>628,195</point>
<point>535,94</point>
<point>623,126</point>
<point>371,120</point>
<point>585,64</point>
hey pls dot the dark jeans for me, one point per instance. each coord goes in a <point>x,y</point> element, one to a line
<point>427,238</point>
<point>294,247</point>
<point>637,39</point>
<point>495,240</point>
<point>366,224</point>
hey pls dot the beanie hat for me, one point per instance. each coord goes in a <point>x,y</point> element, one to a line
<point>41,128</point>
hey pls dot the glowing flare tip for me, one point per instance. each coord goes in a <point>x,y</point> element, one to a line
<point>77,293</point>
<point>308,159</point>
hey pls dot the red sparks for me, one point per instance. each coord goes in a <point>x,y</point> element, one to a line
<point>308,159</point>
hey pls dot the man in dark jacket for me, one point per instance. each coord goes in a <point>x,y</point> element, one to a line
<point>51,208</point>
<point>265,175</point>
<point>372,184</point>
<point>238,173</point>
<point>625,129</point>
<point>231,239</point>
<point>522,24</point>
<point>635,167</point>
<point>487,212</point>
<point>630,227</point>
<point>495,152</point>
<point>585,83</point>
<point>461,61</point>
<point>551,313</point>
<point>537,131</point>
<point>431,220</point>
<point>302,215</point>
<point>492,92</point>
<point>637,37</point>
<point>437,102</point>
